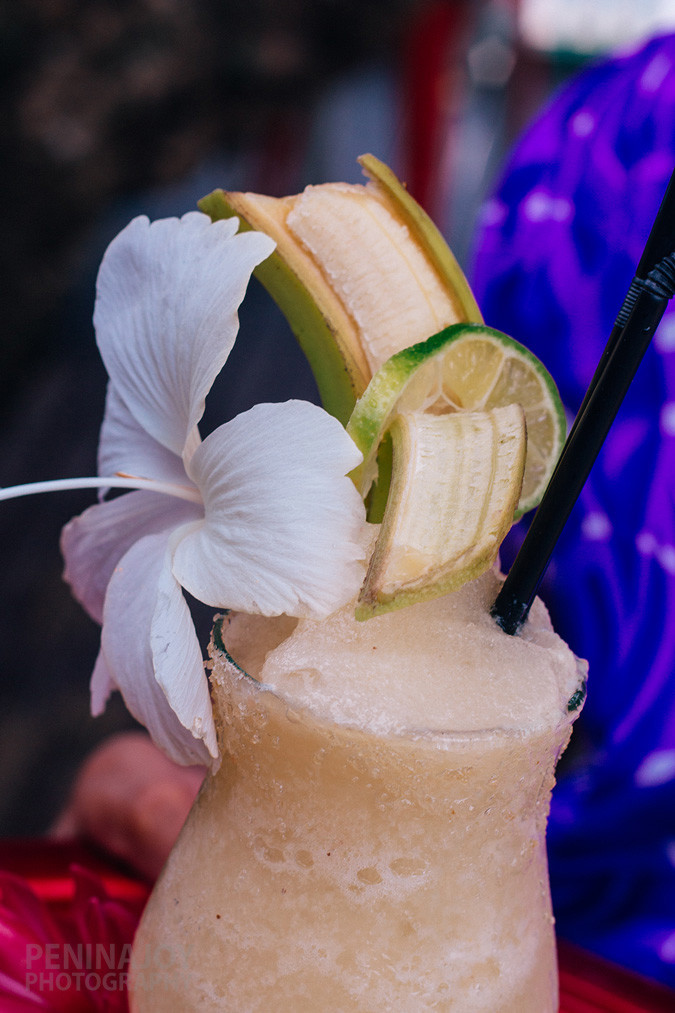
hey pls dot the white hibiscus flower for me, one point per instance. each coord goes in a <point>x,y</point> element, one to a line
<point>258,517</point>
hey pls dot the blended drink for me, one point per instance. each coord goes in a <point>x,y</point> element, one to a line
<point>375,837</point>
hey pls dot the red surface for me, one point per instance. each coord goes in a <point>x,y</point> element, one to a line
<point>430,78</point>
<point>587,983</point>
<point>46,867</point>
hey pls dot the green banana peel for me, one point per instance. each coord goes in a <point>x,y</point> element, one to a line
<point>427,235</point>
<point>341,374</point>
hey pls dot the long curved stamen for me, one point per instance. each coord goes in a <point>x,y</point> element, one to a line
<point>114,481</point>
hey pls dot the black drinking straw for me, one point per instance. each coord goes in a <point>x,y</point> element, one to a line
<point>636,322</point>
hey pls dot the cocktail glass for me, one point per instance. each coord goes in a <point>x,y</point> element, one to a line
<point>325,867</point>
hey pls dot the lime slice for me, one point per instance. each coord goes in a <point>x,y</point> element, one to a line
<point>465,367</point>
<point>456,483</point>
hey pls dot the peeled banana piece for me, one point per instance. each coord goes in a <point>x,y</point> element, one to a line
<point>455,486</point>
<point>359,271</point>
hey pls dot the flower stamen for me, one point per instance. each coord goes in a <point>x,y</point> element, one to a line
<point>118,481</point>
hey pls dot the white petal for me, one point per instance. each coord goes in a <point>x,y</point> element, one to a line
<point>152,655</point>
<point>125,446</point>
<point>166,315</point>
<point>93,543</point>
<point>101,685</point>
<point>283,522</point>
<point>177,658</point>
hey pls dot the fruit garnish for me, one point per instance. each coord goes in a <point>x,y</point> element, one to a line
<point>359,271</point>
<point>465,367</point>
<point>363,276</point>
<point>455,486</point>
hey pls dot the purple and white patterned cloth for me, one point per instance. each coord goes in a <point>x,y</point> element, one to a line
<point>558,244</point>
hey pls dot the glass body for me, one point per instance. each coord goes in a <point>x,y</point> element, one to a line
<point>327,868</point>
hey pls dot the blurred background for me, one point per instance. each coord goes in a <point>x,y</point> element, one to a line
<point>115,109</point>
<point>111,109</point>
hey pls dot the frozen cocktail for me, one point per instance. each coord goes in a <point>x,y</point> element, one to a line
<point>374,839</point>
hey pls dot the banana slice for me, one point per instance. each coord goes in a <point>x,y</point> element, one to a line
<point>455,487</point>
<point>464,367</point>
<point>359,271</point>
<point>378,272</point>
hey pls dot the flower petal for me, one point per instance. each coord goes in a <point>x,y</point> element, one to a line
<point>166,315</point>
<point>152,655</point>
<point>283,522</point>
<point>93,543</point>
<point>101,685</point>
<point>126,447</point>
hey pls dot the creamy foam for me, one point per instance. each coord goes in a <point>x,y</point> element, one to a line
<point>439,665</point>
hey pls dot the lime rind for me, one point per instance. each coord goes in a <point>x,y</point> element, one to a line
<point>373,411</point>
<point>382,399</point>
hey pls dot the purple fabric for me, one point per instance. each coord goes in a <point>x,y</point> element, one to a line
<point>557,246</point>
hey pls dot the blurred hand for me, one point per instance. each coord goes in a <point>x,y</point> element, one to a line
<point>130,800</point>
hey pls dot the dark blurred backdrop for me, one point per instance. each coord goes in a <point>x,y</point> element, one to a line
<point>110,109</point>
